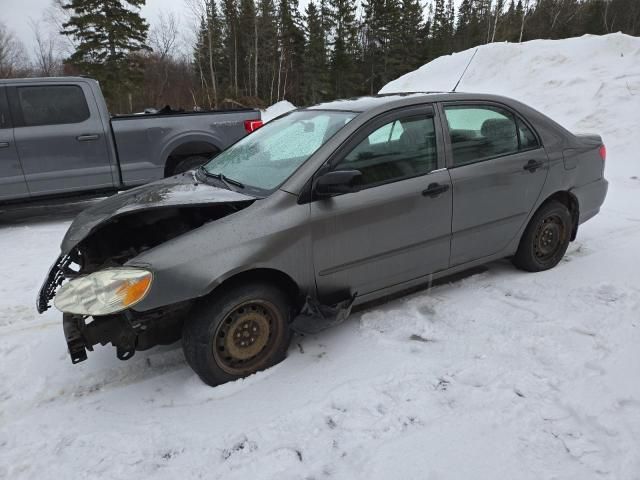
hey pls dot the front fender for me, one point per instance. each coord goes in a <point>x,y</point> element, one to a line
<point>270,234</point>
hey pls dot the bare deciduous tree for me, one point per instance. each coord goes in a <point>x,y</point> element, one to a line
<point>47,61</point>
<point>13,58</point>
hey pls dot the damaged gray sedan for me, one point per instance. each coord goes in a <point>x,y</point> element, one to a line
<point>317,211</point>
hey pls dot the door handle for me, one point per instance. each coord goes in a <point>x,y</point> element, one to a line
<point>533,165</point>
<point>4,144</point>
<point>435,189</point>
<point>88,138</point>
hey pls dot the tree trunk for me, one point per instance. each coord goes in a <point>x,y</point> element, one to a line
<point>524,15</point>
<point>212,72</point>
<point>235,61</point>
<point>255,40</point>
<point>495,22</point>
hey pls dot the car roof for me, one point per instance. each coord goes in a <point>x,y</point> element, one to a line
<point>9,81</point>
<point>390,100</point>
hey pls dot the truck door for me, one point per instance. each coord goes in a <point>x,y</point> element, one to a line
<point>12,182</point>
<point>60,138</point>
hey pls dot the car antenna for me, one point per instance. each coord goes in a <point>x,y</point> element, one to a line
<point>465,70</point>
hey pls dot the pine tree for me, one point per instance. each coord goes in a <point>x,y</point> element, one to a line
<point>209,55</point>
<point>268,57</point>
<point>230,36</point>
<point>411,44</point>
<point>344,75</point>
<point>463,29</point>
<point>375,35</point>
<point>315,56</point>
<point>248,48</point>
<point>439,29</point>
<point>109,34</point>
<point>291,61</point>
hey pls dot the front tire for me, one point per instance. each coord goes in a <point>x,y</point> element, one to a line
<point>546,238</point>
<point>236,332</point>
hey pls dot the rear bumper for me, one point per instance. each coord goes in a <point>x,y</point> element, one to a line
<point>590,198</point>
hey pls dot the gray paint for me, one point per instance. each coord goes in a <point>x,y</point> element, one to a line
<point>102,153</point>
<point>383,239</point>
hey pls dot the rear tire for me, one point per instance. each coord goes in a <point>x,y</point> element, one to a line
<point>237,332</point>
<point>189,163</point>
<point>546,238</point>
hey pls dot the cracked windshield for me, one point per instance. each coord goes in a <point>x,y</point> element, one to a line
<point>266,158</point>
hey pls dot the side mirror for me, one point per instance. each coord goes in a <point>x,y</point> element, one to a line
<point>339,181</point>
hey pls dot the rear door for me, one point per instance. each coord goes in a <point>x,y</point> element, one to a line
<point>60,138</point>
<point>498,168</point>
<point>12,182</point>
<point>397,227</point>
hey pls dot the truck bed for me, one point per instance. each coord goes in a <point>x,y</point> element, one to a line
<point>145,143</point>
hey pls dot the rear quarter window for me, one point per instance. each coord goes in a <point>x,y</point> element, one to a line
<point>52,105</point>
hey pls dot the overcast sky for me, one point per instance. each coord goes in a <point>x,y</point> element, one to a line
<point>15,14</point>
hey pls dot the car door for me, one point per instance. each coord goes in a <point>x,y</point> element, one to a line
<point>12,181</point>
<point>397,226</point>
<point>498,169</point>
<point>60,138</point>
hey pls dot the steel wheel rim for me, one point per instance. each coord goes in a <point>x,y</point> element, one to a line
<point>246,336</point>
<point>549,238</point>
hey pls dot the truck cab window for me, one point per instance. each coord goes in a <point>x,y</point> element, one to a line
<point>52,105</point>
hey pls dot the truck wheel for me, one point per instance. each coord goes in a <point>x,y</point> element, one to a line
<point>546,238</point>
<point>237,332</point>
<point>189,163</point>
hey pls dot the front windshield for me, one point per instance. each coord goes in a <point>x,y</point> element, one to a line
<point>266,158</point>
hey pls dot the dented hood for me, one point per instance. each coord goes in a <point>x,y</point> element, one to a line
<point>181,190</point>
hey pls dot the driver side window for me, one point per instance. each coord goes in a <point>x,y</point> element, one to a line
<point>400,149</point>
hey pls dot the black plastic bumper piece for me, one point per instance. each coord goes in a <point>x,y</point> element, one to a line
<point>114,329</point>
<point>72,326</point>
<point>54,279</point>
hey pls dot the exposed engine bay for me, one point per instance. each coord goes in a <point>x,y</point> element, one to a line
<point>124,237</point>
<point>112,244</point>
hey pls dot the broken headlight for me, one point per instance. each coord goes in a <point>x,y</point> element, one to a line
<point>101,293</point>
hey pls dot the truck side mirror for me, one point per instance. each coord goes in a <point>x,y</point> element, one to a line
<point>339,181</point>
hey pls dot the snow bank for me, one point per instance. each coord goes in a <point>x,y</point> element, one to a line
<point>276,110</point>
<point>590,83</point>
<point>502,375</point>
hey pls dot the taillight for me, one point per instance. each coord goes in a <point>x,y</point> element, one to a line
<point>251,125</point>
<point>603,152</point>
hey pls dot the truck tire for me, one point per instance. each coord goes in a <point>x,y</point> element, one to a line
<point>237,331</point>
<point>546,238</point>
<point>189,163</point>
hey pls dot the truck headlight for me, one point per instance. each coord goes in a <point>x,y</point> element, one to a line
<point>107,291</point>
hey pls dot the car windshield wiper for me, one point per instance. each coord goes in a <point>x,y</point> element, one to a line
<point>223,178</point>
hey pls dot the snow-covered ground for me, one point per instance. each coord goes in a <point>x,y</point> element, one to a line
<point>502,375</point>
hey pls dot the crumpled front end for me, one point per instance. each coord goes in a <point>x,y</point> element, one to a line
<point>101,241</point>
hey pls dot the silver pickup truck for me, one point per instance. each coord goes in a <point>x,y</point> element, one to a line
<point>57,138</point>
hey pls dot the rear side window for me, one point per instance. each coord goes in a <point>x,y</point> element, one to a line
<point>398,150</point>
<point>478,133</point>
<point>52,105</point>
<point>527,138</point>
<point>482,132</point>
